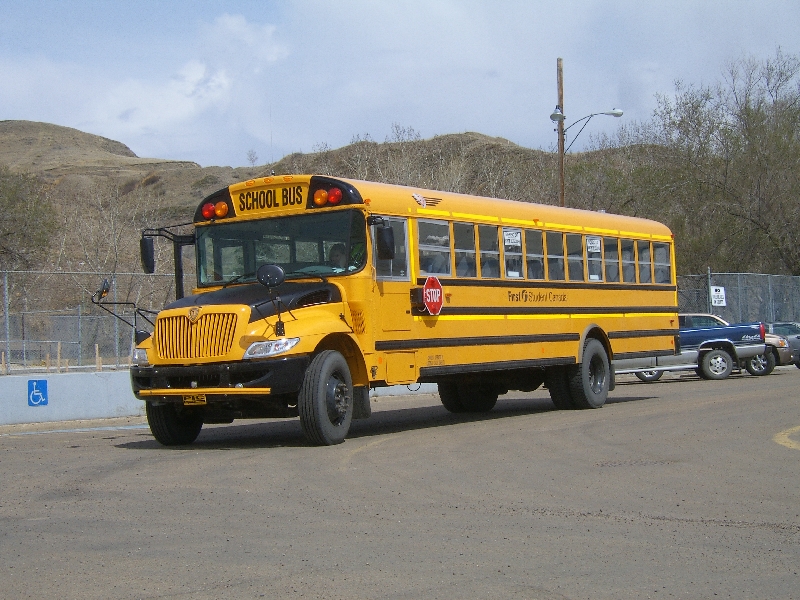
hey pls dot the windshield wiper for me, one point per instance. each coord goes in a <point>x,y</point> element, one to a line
<point>237,279</point>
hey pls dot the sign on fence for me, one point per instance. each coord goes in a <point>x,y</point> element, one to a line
<point>717,295</point>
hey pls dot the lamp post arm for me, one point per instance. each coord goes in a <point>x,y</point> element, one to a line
<point>587,119</point>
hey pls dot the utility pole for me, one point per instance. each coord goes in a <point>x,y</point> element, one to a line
<point>560,77</point>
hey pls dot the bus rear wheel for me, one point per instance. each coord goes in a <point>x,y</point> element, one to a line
<point>448,394</point>
<point>589,382</point>
<point>173,425</point>
<point>467,397</point>
<point>477,397</point>
<point>325,402</point>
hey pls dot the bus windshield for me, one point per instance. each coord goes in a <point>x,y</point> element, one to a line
<point>307,245</point>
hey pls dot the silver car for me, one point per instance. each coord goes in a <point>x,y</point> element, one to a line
<point>778,352</point>
<point>791,331</point>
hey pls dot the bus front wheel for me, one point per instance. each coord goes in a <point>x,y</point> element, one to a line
<point>325,402</point>
<point>172,425</point>
<point>589,381</point>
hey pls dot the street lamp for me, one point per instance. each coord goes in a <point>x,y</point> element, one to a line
<point>559,117</point>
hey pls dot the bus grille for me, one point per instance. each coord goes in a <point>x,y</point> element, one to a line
<point>211,335</point>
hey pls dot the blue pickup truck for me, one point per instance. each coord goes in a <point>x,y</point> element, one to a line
<point>708,345</point>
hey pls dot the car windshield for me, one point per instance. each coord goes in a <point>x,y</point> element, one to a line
<point>785,328</point>
<point>317,244</point>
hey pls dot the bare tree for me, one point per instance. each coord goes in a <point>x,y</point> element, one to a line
<point>252,157</point>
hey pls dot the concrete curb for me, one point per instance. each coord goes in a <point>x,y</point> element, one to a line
<point>49,397</point>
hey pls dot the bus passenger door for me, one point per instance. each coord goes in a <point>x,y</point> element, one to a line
<point>393,303</point>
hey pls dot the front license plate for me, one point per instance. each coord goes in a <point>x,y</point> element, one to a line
<point>194,400</point>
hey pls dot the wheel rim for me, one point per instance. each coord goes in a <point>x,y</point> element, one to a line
<point>759,363</point>
<point>717,365</point>
<point>337,398</point>
<point>597,375</point>
<point>649,373</point>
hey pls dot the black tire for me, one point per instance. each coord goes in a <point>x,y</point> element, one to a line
<point>448,394</point>
<point>476,397</point>
<point>699,372</point>
<point>173,425</point>
<point>716,364</point>
<point>558,385</point>
<point>589,382</point>
<point>763,364</point>
<point>325,402</point>
<point>648,376</point>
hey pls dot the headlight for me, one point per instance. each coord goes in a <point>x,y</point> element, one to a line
<point>139,357</point>
<point>263,349</point>
<point>783,343</point>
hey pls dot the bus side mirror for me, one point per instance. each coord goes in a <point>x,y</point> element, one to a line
<point>148,255</point>
<point>270,275</point>
<point>384,240</point>
<point>103,291</point>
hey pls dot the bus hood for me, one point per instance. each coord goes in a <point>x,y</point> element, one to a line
<point>293,295</point>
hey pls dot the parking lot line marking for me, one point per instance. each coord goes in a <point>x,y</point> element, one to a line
<point>783,438</point>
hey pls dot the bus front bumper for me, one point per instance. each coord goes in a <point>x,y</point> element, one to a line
<point>247,378</point>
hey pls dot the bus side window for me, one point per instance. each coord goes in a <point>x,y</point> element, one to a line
<point>534,251</point>
<point>611,258</point>
<point>490,250</point>
<point>512,251</point>
<point>464,245</point>
<point>661,262</point>
<point>397,267</point>
<point>575,257</point>
<point>434,247</point>
<point>644,261</point>
<point>555,255</point>
<point>594,258</point>
<point>628,262</point>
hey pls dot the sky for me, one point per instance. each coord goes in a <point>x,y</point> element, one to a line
<point>210,81</point>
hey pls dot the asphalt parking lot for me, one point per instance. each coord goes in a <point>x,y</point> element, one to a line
<point>677,489</point>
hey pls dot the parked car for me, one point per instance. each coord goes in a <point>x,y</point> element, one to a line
<point>778,352</point>
<point>791,331</point>
<point>707,344</point>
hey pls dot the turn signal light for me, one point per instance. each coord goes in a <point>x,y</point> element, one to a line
<point>211,210</point>
<point>332,196</point>
<point>320,197</point>
<point>221,209</point>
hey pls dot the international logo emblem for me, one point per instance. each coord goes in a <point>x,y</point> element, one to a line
<point>194,313</point>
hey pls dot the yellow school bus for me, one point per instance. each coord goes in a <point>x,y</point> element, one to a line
<point>311,290</point>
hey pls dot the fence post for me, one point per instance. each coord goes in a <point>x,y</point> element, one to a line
<point>116,321</point>
<point>7,313</point>
<point>80,335</point>
<point>97,360</point>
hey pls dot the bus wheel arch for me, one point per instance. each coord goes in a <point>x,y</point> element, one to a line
<point>350,350</point>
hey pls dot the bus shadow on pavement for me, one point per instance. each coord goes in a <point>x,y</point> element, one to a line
<point>287,433</point>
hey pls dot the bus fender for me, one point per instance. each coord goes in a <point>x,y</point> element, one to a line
<point>596,332</point>
<point>348,347</point>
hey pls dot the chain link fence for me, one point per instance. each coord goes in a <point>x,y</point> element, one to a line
<point>49,323</point>
<point>748,296</point>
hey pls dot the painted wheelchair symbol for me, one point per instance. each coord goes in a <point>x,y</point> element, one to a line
<point>35,396</point>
